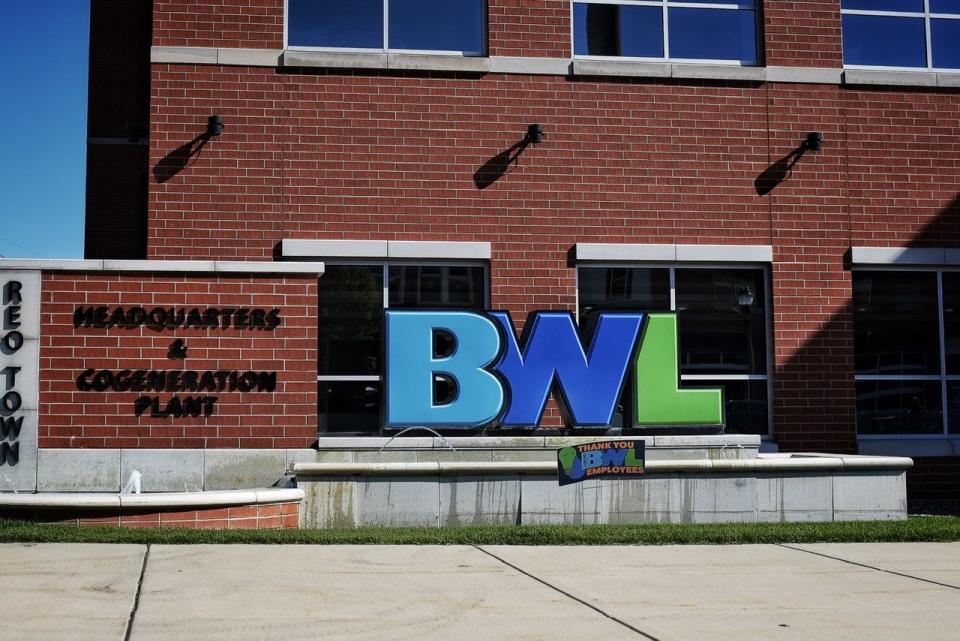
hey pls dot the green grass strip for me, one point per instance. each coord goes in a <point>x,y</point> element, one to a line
<point>928,528</point>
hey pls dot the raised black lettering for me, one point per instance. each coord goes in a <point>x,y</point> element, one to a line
<point>9,453</point>
<point>12,341</point>
<point>13,292</point>
<point>10,428</point>
<point>13,317</point>
<point>11,373</point>
<point>11,401</point>
<point>83,384</point>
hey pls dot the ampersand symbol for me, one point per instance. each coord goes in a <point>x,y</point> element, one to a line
<point>178,350</point>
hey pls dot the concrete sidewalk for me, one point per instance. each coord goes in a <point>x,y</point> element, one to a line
<point>257,592</point>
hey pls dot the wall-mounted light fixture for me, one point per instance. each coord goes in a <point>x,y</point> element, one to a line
<point>814,140</point>
<point>214,125</point>
<point>535,133</point>
<point>744,296</point>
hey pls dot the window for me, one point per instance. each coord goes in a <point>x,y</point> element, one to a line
<point>913,34</point>
<point>437,26</point>
<point>907,352</point>
<point>722,313</point>
<point>352,300</point>
<point>690,30</point>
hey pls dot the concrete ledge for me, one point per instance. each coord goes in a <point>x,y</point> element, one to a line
<point>779,463</point>
<point>718,72</point>
<point>185,55</point>
<point>678,253</point>
<point>334,59</point>
<point>61,500</point>
<point>459,443</point>
<point>250,57</point>
<point>620,68</point>
<point>196,266</point>
<point>427,62</point>
<point>531,66</point>
<point>809,75</point>
<point>891,78</point>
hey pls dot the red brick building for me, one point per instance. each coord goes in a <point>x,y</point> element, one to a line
<point>815,281</point>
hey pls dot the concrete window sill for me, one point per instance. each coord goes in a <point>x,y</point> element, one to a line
<point>901,78</point>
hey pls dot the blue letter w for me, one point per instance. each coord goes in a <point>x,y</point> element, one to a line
<point>589,383</point>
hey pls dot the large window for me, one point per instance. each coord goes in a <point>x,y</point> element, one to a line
<point>352,300</point>
<point>907,352</point>
<point>911,34</point>
<point>435,26</point>
<point>722,315</point>
<point>688,30</point>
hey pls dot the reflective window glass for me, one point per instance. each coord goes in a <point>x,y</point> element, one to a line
<point>722,321</point>
<point>333,23</point>
<point>899,407</point>
<point>745,409</point>
<point>953,407</point>
<point>618,30</point>
<point>636,30</point>
<point>945,6</point>
<point>711,34</point>
<point>896,322</point>
<point>867,41</point>
<point>424,25</point>
<point>945,43</point>
<point>951,321</point>
<point>350,311</point>
<point>349,406</point>
<point>436,286</point>
<point>883,5</point>
<point>437,25</point>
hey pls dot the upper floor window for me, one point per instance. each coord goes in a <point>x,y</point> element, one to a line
<point>687,30</point>
<point>435,26</point>
<point>914,34</point>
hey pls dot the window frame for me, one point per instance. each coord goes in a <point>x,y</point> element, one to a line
<point>705,378</point>
<point>385,266</point>
<point>943,377</point>
<point>386,38</point>
<point>927,16</point>
<point>665,6</point>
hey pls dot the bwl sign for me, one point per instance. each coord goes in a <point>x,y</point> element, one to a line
<point>153,383</point>
<point>500,379</point>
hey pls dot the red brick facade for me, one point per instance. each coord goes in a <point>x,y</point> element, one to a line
<point>77,418</point>
<point>398,155</point>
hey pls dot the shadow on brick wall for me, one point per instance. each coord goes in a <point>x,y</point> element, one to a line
<point>814,392</point>
<point>178,159</point>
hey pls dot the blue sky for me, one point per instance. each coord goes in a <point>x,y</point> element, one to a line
<point>43,115</point>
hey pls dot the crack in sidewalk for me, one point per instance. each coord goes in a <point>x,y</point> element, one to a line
<point>869,567</point>
<point>567,594</point>
<point>136,597</point>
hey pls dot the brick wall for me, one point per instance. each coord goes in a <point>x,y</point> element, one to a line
<point>804,33</point>
<point>530,28</point>
<point>253,24</point>
<point>285,417</point>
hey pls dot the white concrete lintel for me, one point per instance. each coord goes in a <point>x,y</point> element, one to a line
<point>898,256</point>
<point>669,253</point>
<point>384,249</point>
